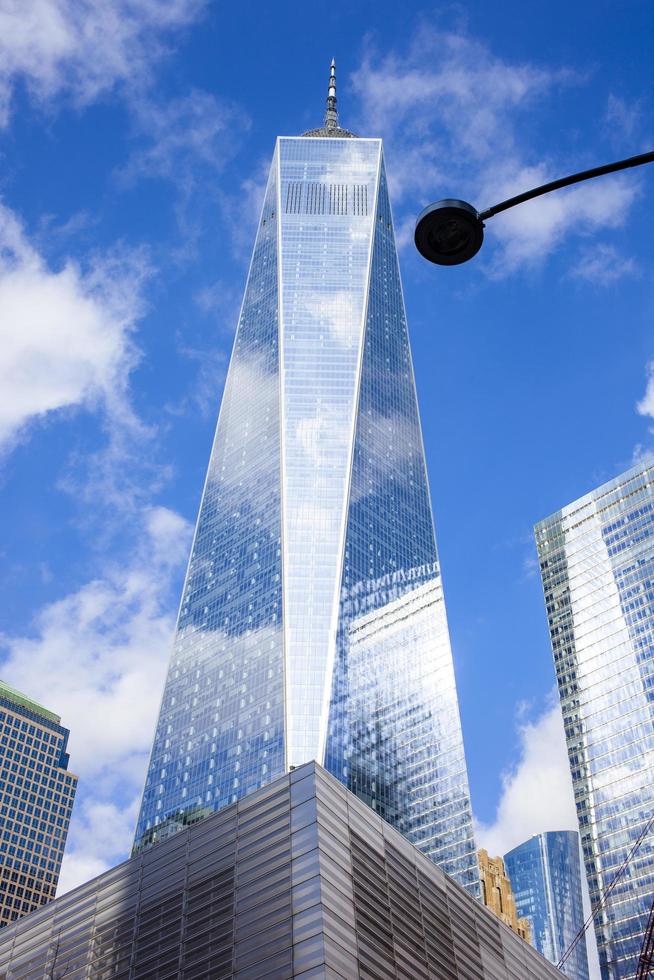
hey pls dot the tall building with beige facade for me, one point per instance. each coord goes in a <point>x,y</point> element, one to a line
<point>497,895</point>
<point>36,800</point>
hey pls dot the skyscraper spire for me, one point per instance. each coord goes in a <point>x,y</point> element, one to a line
<point>331,115</point>
<point>330,127</point>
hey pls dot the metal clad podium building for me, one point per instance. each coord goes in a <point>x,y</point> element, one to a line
<point>312,624</point>
<point>300,879</point>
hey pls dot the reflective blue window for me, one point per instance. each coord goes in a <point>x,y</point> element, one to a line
<point>395,737</point>
<point>545,874</point>
<point>597,566</point>
<point>220,732</point>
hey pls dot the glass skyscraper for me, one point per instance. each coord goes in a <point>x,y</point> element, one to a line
<point>597,565</point>
<point>312,622</point>
<point>36,800</point>
<point>545,874</point>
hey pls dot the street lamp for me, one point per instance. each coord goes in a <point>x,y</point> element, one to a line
<point>450,232</point>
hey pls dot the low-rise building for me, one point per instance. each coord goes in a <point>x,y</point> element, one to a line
<point>298,879</point>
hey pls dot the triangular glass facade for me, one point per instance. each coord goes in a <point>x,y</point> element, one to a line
<point>312,623</point>
<point>394,736</point>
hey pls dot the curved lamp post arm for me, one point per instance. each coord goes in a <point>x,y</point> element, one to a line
<point>608,168</point>
<point>450,232</point>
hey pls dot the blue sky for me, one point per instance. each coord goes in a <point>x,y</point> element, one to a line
<point>134,142</point>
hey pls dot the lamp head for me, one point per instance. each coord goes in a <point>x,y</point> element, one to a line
<point>449,232</point>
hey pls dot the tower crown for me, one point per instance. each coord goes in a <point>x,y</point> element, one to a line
<point>330,126</point>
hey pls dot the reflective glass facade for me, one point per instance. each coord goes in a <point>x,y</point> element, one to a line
<point>312,624</point>
<point>326,216</point>
<point>545,874</point>
<point>36,800</point>
<point>597,566</point>
<point>394,731</point>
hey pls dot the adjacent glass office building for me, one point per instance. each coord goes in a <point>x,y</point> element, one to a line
<point>36,801</point>
<point>545,874</point>
<point>597,566</point>
<point>312,623</point>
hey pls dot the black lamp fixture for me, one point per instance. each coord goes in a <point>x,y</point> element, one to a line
<point>450,232</point>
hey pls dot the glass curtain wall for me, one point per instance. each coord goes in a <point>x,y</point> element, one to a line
<point>597,567</point>
<point>220,732</point>
<point>395,737</point>
<point>312,623</point>
<point>545,874</point>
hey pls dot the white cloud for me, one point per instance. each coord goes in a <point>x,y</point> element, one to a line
<point>456,122</point>
<point>622,117</point>
<point>641,454</point>
<point>82,48</point>
<point>112,635</point>
<point>208,382</point>
<point>186,140</point>
<point>537,792</point>
<point>98,657</point>
<point>65,335</point>
<point>185,133</point>
<point>529,233</point>
<point>240,211</point>
<point>100,837</point>
<point>603,265</point>
<point>646,405</point>
<point>446,99</point>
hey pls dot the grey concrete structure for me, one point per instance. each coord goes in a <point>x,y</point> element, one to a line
<point>299,879</point>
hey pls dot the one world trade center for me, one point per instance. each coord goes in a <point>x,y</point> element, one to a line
<point>312,624</point>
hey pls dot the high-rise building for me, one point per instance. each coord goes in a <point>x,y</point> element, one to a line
<point>597,565</point>
<point>545,873</point>
<point>298,879</point>
<point>497,894</point>
<point>36,800</point>
<point>312,624</point>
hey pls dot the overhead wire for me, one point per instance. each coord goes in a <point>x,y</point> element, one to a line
<point>600,905</point>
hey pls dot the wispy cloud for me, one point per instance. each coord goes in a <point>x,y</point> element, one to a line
<point>221,301</point>
<point>622,117</point>
<point>240,211</point>
<point>113,635</point>
<point>455,118</point>
<point>641,454</point>
<point>445,99</point>
<point>646,405</point>
<point>531,232</point>
<point>188,141</point>
<point>603,266</point>
<point>81,49</point>
<point>180,135</point>
<point>204,392</point>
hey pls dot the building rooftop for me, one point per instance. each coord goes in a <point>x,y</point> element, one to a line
<point>11,694</point>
